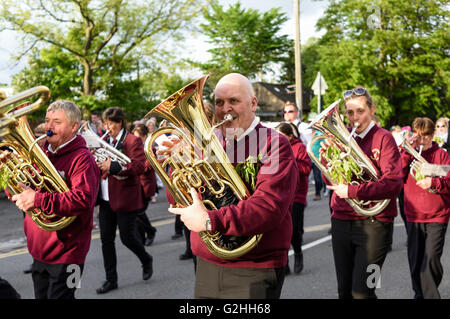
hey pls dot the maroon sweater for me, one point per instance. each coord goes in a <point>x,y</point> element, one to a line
<point>267,211</point>
<point>379,145</point>
<point>304,168</point>
<point>82,176</point>
<point>421,206</point>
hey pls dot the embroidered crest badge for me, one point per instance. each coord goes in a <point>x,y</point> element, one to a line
<point>375,154</point>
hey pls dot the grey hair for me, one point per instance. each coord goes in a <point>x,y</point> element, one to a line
<point>71,110</point>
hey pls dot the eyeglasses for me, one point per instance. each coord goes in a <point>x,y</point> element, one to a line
<point>290,111</point>
<point>357,91</point>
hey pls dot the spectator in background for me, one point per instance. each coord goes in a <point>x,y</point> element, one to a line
<point>298,207</point>
<point>441,134</point>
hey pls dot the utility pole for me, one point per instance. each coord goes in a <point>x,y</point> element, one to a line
<point>298,62</point>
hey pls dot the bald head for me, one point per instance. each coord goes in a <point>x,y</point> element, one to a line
<point>234,95</point>
<point>238,80</point>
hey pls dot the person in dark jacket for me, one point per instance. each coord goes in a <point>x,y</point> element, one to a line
<point>55,251</point>
<point>298,207</point>
<point>121,198</point>
<point>427,211</point>
<point>148,182</point>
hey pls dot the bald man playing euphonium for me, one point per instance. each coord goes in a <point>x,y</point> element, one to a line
<point>260,272</point>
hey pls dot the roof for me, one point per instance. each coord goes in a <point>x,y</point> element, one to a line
<point>281,91</point>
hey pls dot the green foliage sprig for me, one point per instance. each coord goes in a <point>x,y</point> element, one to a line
<point>342,170</point>
<point>4,177</point>
<point>248,170</point>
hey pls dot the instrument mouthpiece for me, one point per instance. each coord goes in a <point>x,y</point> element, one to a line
<point>49,133</point>
<point>227,118</point>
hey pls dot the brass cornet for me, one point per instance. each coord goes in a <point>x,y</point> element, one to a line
<point>101,149</point>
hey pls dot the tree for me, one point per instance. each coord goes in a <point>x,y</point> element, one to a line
<point>105,38</point>
<point>398,49</point>
<point>245,41</point>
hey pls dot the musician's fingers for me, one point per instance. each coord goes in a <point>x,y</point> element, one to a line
<point>168,143</point>
<point>195,196</point>
<point>23,186</point>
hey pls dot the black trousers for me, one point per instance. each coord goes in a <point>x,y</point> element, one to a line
<point>297,226</point>
<point>318,182</point>
<point>108,222</point>
<point>425,246</point>
<point>50,281</point>
<point>219,282</point>
<point>356,245</point>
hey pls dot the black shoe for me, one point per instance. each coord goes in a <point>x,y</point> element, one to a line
<point>298,263</point>
<point>176,236</point>
<point>28,270</point>
<point>287,270</point>
<point>149,240</point>
<point>186,255</point>
<point>147,270</point>
<point>107,287</point>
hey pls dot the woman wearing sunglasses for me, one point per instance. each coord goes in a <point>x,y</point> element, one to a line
<point>360,243</point>
<point>442,133</point>
<point>427,213</point>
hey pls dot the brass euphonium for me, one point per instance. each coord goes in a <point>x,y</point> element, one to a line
<point>101,149</point>
<point>26,162</point>
<point>343,161</point>
<point>199,162</point>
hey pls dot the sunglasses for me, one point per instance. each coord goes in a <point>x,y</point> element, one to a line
<point>291,111</point>
<point>357,91</point>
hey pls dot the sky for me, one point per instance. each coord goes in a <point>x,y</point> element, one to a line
<point>310,12</point>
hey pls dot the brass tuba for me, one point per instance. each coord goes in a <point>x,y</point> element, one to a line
<point>343,161</point>
<point>101,149</point>
<point>27,163</point>
<point>201,163</point>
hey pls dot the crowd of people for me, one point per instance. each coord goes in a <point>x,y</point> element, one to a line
<point>275,206</point>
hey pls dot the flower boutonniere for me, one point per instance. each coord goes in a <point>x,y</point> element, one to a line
<point>248,170</point>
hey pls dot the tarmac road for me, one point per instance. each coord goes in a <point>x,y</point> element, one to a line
<point>174,278</point>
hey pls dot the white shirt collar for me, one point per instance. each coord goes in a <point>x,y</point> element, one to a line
<point>248,130</point>
<point>50,149</point>
<point>118,137</point>
<point>368,128</point>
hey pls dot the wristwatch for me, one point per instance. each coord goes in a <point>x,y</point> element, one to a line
<point>208,224</point>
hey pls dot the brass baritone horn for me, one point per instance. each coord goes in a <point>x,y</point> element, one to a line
<point>343,161</point>
<point>101,149</point>
<point>27,162</point>
<point>201,163</point>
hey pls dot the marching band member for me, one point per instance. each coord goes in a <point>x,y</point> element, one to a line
<point>427,213</point>
<point>359,241</point>
<point>148,182</point>
<point>260,272</point>
<point>121,199</point>
<point>298,208</point>
<point>54,251</point>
